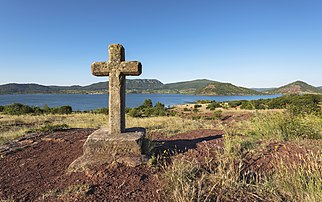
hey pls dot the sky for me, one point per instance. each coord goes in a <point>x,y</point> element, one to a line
<point>250,43</point>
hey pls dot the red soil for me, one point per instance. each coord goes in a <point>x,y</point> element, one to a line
<point>33,168</point>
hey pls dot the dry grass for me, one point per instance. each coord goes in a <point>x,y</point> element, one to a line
<point>223,179</point>
<point>169,125</point>
<point>12,126</point>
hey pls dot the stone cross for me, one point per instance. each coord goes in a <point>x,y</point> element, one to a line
<point>116,68</point>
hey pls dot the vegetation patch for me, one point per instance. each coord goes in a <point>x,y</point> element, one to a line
<point>49,128</point>
<point>21,109</point>
<point>147,110</point>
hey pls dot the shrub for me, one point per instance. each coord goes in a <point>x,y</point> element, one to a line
<point>203,101</point>
<point>217,114</point>
<point>20,109</point>
<point>147,110</point>
<point>247,105</point>
<point>135,112</point>
<point>62,110</point>
<point>1,108</point>
<point>234,104</point>
<point>103,110</point>
<point>195,110</point>
<point>196,106</point>
<point>147,103</point>
<point>17,109</point>
<point>213,105</point>
<point>46,109</point>
<point>159,105</point>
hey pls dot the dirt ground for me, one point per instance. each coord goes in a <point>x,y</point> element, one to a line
<point>33,168</point>
<point>37,173</point>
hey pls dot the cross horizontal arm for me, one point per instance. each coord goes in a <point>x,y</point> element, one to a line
<point>100,69</point>
<point>132,68</point>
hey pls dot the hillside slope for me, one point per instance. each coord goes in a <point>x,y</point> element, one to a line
<point>217,88</point>
<point>187,87</point>
<point>296,87</point>
<point>24,88</point>
<point>133,84</point>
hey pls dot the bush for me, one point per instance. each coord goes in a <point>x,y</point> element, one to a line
<point>159,105</point>
<point>135,112</point>
<point>217,114</point>
<point>196,106</point>
<point>186,109</point>
<point>213,105</point>
<point>247,105</point>
<point>234,104</point>
<point>1,108</point>
<point>62,110</point>
<point>203,101</point>
<point>37,110</point>
<point>147,103</point>
<point>103,110</point>
<point>20,109</point>
<point>147,110</point>
<point>17,109</point>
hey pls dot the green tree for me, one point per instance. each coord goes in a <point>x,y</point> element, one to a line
<point>159,105</point>
<point>147,103</point>
<point>134,112</point>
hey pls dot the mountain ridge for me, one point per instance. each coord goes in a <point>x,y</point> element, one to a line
<point>198,86</point>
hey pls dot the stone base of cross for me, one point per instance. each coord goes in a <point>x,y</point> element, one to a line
<point>115,143</point>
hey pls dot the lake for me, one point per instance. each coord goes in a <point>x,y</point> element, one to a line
<point>94,101</point>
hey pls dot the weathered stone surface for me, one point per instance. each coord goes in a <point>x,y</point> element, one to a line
<point>101,147</point>
<point>116,68</point>
<point>115,144</point>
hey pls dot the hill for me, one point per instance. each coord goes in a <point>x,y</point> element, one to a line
<point>24,88</point>
<point>296,87</point>
<point>217,88</point>
<point>187,87</point>
<point>131,85</point>
<point>200,86</point>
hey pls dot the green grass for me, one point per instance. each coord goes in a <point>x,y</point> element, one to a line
<point>285,126</point>
<point>222,175</point>
<point>224,178</point>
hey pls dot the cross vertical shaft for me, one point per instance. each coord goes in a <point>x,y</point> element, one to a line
<point>117,103</point>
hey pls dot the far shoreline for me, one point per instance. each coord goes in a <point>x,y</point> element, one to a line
<point>94,101</point>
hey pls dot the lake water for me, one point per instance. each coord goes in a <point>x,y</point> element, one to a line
<point>89,101</point>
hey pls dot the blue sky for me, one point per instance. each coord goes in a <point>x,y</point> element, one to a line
<point>251,43</point>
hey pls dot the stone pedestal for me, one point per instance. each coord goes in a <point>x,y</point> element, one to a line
<point>104,148</point>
